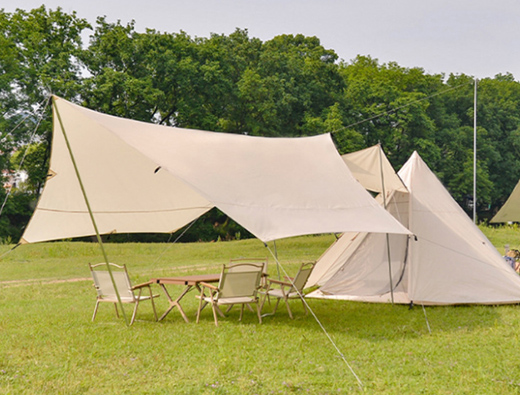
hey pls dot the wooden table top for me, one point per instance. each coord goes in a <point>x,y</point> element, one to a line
<point>188,280</point>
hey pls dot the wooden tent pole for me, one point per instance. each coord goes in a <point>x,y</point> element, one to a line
<point>89,208</point>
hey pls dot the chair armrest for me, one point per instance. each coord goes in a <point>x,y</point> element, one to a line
<point>146,284</point>
<point>273,281</point>
<point>210,286</point>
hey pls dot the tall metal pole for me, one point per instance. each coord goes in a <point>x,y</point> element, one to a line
<point>89,208</point>
<point>387,235</point>
<point>475,153</point>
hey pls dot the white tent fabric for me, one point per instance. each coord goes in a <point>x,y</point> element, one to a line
<point>142,177</point>
<point>510,211</point>
<point>448,261</point>
<point>372,169</point>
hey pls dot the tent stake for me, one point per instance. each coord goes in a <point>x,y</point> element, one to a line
<point>89,208</point>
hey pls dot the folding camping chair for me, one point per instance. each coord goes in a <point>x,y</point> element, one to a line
<point>233,266</point>
<point>106,292</point>
<point>264,261</point>
<point>291,289</point>
<point>238,284</point>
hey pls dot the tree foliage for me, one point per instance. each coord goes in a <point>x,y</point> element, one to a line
<point>285,87</point>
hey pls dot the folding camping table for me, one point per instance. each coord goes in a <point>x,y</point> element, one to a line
<point>189,282</point>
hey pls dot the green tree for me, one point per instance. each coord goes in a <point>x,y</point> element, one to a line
<point>121,80</point>
<point>48,47</point>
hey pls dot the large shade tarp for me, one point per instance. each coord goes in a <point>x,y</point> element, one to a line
<point>142,177</point>
<point>125,192</point>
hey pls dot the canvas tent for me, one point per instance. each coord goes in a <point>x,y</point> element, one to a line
<point>510,211</point>
<point>373,170</point>
<point>142,177</point>
<point>447,261</point>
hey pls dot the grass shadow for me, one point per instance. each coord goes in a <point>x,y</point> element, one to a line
<point>379,322</point>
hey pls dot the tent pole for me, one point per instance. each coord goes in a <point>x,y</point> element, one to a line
<point>276,258</point>
<point>89,209</point>
<point>387,235</point>
<point>475,153</point>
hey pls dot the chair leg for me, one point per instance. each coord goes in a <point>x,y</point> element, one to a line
<point>117,311</point>
<point>154,310</point>
<point>153,303</point>
<point>288,308</point>
<point>304,306</point>
<point>220,312</point>
<point>276,305</point>
<point>95,310</point>
<point>135,312</point>
<point>215,313</point>
<point>200,308</point>
<point>262,302</point>
<point>258,311</point>
<point>241,311</point>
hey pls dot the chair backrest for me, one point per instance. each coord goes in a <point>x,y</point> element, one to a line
<point>303,275</point>
<point>104,285</point>
<point>240,280</point>
<point>263,261</point>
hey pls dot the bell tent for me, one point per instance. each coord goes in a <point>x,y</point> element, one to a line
<point>510,211</point>
<point>447,260</point>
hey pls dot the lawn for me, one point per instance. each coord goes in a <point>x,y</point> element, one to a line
<point>49,345</point>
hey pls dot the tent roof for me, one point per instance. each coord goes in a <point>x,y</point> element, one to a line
<point>373,170</point>
<point>142,177</point>
<point>510,211</point>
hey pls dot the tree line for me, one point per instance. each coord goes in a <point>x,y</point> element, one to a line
<point>288,86</point>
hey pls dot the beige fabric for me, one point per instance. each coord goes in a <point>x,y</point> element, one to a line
<point>372,169</point>
<point>399,297</point>
<point>357,263</point>
<point>449,261</point>
<point>452,261</point>
<point>124,192</point>
<point>142,177</point>
<point>510,211</point>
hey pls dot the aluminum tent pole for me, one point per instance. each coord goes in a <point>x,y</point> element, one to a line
<point>83,191</point>
<point>387,235</point>
<point>475,153</point>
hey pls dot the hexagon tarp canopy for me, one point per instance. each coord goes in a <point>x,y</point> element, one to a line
<point>142,177</point>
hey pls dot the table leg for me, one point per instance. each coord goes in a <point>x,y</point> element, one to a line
<point>176,302</point>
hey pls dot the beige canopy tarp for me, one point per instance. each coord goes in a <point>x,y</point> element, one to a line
<point>142,177</point>
<point>447,261</point>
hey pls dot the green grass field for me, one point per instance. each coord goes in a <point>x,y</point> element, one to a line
<point>49,345</point>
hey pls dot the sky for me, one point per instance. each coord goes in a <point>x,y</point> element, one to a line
<point>479,38</point>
